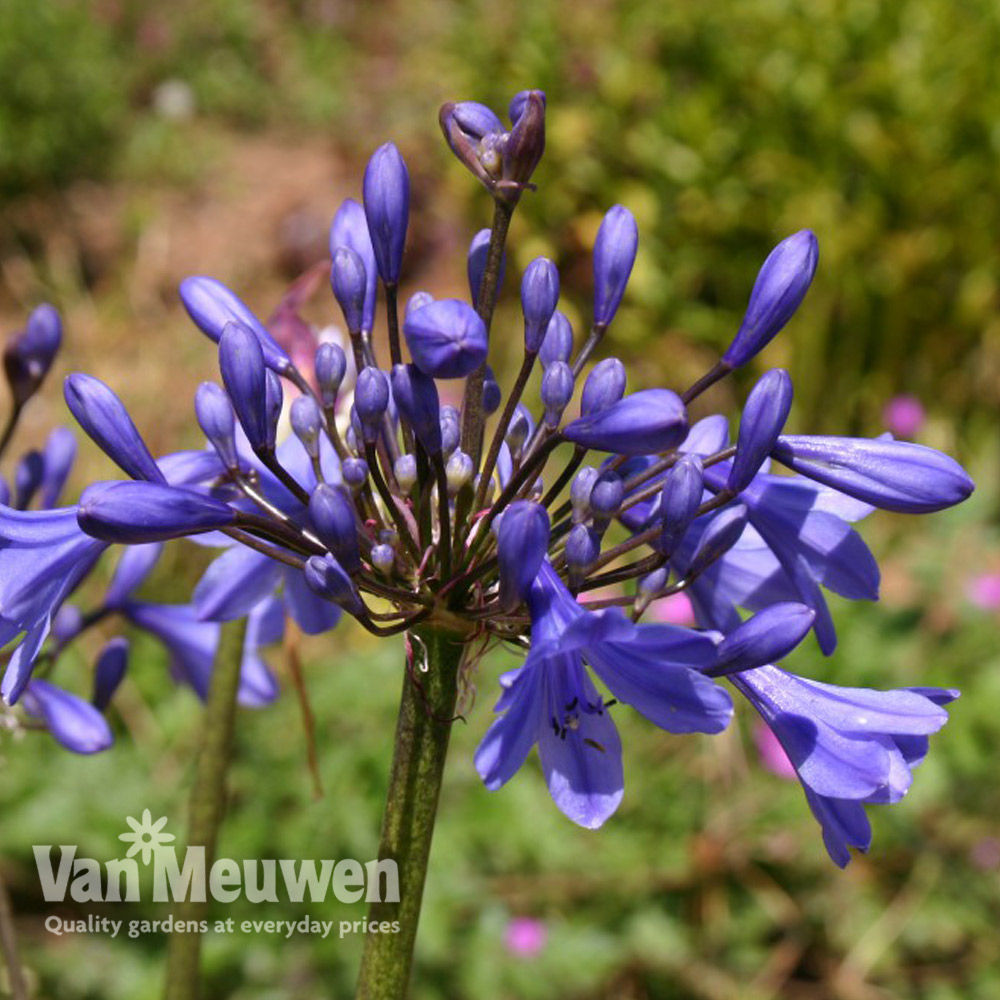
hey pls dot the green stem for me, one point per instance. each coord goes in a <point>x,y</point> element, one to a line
<point>473,418</point>
<point>8,946</point>
<point>207,805</point>
<point>426,711</point>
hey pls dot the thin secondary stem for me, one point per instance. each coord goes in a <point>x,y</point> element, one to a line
<point>498,435</point>
<point>473,417</point>
<point>207,805</point>
<point>423,729</point>
<point>9,428</point>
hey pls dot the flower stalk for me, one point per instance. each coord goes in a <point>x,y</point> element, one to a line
<point>207,805</point>
<point>423,728</point>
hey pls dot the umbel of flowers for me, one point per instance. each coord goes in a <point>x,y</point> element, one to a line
<point>501,517</point>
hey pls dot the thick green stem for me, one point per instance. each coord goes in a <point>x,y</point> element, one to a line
<point>207,805</point>
<point>426,711</point>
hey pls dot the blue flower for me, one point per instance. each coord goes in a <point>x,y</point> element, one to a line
<point>849,746</point>
<point>550,700</point>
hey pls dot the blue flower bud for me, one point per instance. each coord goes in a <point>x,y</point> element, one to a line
<point>650,585</point>
<point>416,397</point>
<point>349,283</point>
<point>387,209</point>
<point>106,421</point>
<point>763,419</point>
<point>217,421</point>
<point>59,453</point>
<point>558,342</point>
<point>350,230</point>
<point>474,134</point>
<point>212,306</point>
<point>417,301</point>
<point>405,471</point>
<point>525,143</point>
<point>383,558</point>
<point>778,291</point>
<point>332,514</point>
<point>307,423</point>
<point>648,421</point>
<point>274,398</point>
<point>614,254</point>
<point>492,396</point>
<point>330,367</point>
<point>476,266</point>
<point>28,356</point>
<point>326,577</point>
<point>67,623</point>
<point>27,478</point>
<point>765,638</point>
<point>720,536</point>
<point>447,339</point>
<point>371,399</point>
<point>519,102</point>
<point>539,297</point>
<point>458,471</point>
<point>522,541</point>
<point>451,429</point>
<point>580,490</point>
<point>355,472</point>
<point>605,385</point>
<point>476,119</point>
<point>557,391</point>
<point>683,488</point>
<point>606,496</point>
<point>109,670</point>
<point>74,723</point>
<point>133,513</point>
<point>4,492</point>
<point>241,362</point>
<point>521,428</point>
<point>893,475</point>
<point>583,546</point>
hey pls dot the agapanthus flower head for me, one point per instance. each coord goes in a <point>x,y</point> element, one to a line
<point>396,489</point>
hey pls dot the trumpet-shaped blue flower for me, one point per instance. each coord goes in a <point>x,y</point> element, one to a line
<point>849,746</point>
<point>550,700</point>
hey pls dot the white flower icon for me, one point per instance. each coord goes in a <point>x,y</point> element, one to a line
<point>146,836</point>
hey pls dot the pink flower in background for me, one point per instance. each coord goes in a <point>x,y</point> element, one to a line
<point>673,610</point>
<point>904,416</point>
<point>984,591</point>
<point>525,937</point>
<point>772,753</point>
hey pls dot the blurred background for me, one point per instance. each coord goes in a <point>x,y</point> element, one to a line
<point>143,142</point>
